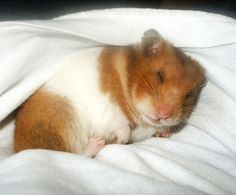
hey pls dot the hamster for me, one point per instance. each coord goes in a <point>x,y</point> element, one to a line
<point>114,94</point>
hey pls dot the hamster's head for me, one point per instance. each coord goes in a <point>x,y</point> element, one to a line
<point>164,82</point>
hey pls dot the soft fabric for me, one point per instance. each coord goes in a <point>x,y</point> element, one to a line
<point>201,159</point>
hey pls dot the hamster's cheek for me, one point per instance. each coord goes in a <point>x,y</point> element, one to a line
<point>144,106</point>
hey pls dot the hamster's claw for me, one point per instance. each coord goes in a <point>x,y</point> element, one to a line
<point>165,134</point>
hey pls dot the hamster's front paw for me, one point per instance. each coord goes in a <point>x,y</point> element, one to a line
<point>122,136</point>
<point>94,146</point>
<point>165,133</point>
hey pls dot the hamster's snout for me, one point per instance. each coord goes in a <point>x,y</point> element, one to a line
<point>162,112</point>
<point>157,113</point>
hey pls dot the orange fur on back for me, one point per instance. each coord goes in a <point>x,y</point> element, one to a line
<point>43,121</point>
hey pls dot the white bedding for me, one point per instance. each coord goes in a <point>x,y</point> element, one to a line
<point>201,159</point>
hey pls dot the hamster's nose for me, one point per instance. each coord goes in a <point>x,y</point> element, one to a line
<point>163,112</point>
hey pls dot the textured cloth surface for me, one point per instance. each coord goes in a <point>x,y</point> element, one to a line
<point>201,159</point>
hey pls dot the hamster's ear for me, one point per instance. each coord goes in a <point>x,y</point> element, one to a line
<point>151,42</point>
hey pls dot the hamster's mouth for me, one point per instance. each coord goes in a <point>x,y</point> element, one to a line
<point>159,123</point>
<point>152,121</point>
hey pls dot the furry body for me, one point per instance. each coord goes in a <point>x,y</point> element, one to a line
<point>111,95</point>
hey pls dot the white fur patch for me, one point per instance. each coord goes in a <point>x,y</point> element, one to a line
<point>78,80</point>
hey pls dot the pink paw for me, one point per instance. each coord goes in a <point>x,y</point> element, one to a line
<point>94,146</point>
<point>166,134</point>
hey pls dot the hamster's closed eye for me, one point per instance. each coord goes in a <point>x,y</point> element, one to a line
<point>160,76</point>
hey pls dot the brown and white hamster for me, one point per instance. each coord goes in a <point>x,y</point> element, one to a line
<point>111,95</point>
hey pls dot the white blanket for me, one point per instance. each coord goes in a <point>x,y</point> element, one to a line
<point>201,159</point>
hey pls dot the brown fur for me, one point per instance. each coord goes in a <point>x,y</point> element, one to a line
<point>43,121</point>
